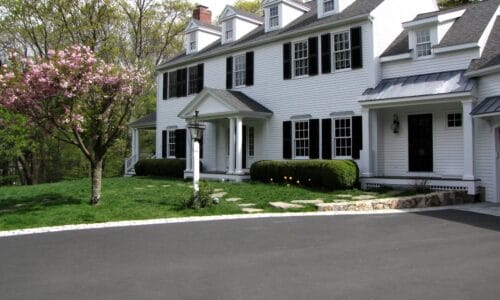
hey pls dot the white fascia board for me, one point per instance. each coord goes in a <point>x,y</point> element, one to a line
<point>274,39</point>
<point>455,48</point>
<point>485,71</point>
<point>288,2</point>
<point>204,29</point>
<point>396,57</point>
<point>244,18</point>
<point>435,19</point>
<point>417,100</point>
<point>493,114</point>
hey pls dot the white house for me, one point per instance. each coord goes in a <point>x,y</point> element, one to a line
<point>410,96</point>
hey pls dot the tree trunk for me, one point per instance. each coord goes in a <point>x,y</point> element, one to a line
<point>96,171</point>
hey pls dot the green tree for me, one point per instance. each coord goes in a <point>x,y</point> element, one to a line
<point>453,3</point>
<point>251,6</point>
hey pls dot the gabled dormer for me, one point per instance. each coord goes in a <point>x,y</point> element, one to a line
<point>426,32</point>
<point>237,23</point>
<point>279,13</point>
<point>330,7</point>
<point>200,31</point>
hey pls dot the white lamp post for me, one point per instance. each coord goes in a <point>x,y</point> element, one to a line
<point>196,129</point>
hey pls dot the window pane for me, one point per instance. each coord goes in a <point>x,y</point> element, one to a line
<point>328,5</point>
<point>300,58</point>
<point>342,137</point>
<point>193,80</point>
<point>342,50</point>
<point>424,46</point>
<point>273,17</point>
<point>301,138</point>
<point>240,70</point>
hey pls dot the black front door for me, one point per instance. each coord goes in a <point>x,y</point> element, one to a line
<point>420,143</point>
<point>244,158</point>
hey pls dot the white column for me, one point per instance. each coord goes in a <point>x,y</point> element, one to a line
<point>196,166</point>
<point>135,143</point>
<point>231,146</point>
<point>189,151</point>
<point>239,146</point>
<point>468,131</point>
<point>366,153</point>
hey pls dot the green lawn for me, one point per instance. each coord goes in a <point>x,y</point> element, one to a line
<point>135,199</point>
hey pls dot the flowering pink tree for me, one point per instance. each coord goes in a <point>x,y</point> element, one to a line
<point>75,97</point>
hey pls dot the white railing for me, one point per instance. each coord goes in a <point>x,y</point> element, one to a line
<point>130,163</point>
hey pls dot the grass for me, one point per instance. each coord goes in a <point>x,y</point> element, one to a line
<point>137,198</point>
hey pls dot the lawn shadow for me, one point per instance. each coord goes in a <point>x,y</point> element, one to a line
<point>465,217</point>
<point>34,203</point>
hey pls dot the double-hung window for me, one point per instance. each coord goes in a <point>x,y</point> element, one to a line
<point>301,139</point>
<point>300,58</point>
<point>172,84</point>
<point>171,144</point>
<point>193,80</point>
<point>239,70</point>
<point>423,43</point>
<point>342,138</point>
<point>274,18</point>
<point>328,6</point>
<point>229,30</point>
<point>192,41</point>
<point>342,50</point>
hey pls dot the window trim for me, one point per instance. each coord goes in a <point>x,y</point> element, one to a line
<point>334,137</point>
<point>193,41</point>
<point>231,30</point>
<point>277,17</point>
<point>251,141</point>
<point>305,58</point>
<point>171,135</point>
<point>417,44</point>
<point>446,120</point>
<point>243,71</point>
<point>325,12</point>
<point>294,144</point>
<point>334,60</point>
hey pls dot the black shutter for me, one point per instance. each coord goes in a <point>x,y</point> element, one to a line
<point>356,48</point>
<point>314,139</point>
<point>249,69</point>
<point>287,139</point>
<point>200,78</point>
<point>164,144</point>
<point>172,84</point>
<point>326,138</point>
<point>313,56</point>
<point>182,82</point>
<point>180,143</point>
<point>287,61</point>
<point>357,136</point>
<point>229,72</point>
<point>326,53</point>
<point>165,86</point>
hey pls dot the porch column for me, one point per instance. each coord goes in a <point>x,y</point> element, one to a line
<point>189,151</point>
<point>239,146</point>
<point>231,146</point>
<point>468,131</point>
<point>135,144</point>
<point>366,153</point>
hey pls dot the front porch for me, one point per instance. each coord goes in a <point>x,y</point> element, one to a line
<point>146,123</point>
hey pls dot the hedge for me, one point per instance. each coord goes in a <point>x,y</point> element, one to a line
<point>8,180</point>
<point>328,174</point>
<point>161,167</point>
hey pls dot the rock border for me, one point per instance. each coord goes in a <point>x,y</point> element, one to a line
<point>435,199</point>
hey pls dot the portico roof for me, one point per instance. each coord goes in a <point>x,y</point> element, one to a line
<point>216,103</point>
<point>434,85</point>
<point>148,121</point>
<point>487,108</point>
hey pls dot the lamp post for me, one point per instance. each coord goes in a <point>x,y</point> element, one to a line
<point>196,129</point>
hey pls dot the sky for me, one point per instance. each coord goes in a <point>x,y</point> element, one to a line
<point>216,6</point>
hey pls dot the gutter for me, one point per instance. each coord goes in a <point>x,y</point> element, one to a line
<point>485,71</point>
<point>278,38</point>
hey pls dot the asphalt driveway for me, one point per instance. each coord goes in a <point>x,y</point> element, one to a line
<point>445,254</point>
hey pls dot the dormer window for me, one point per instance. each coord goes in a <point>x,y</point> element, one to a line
<point>274,18</point>
<point>423,44</point>
<point>192,41</point>
<point>229,30</point>
<point>328,6</point>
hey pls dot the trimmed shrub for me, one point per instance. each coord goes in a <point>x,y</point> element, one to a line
<point>327,174</point>
<point>8,180</point>
<point>161,167</point>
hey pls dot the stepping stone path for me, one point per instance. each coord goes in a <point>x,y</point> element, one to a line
<point>317,201</point>
<point>138,188</point>
<point>285,205</point>
<point>233,199</point>
<point>218,195</point>
<point>252,210</point>
<point>218,190</point>
<point>150,186</point>
<point>246,204</point>
<point>343,196</point>
<point>364,197</point>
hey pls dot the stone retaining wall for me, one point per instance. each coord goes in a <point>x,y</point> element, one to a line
<point>417,201</point>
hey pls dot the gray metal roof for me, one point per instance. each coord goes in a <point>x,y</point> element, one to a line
<point>305,22</point>
<point>146,121</point>
<point>491,53</point>
<point>239,101</point>
<point>420,85</point>
<point>489,105</point>
<point>246,14</point>
<point>466,29</point>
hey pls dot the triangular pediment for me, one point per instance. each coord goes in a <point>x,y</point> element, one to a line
<point>228,12</point>
<point>191,26</point>
<point>207,104</point>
